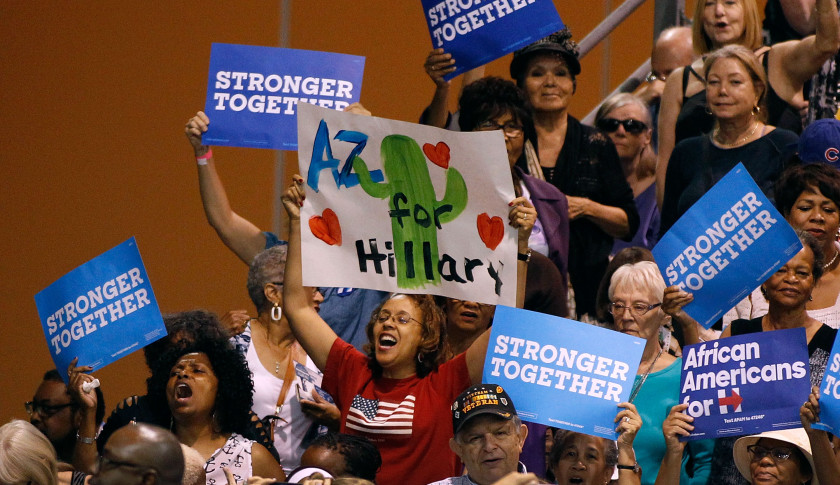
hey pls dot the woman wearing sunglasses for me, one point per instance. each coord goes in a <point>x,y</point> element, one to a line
<point>626,119</point>
<point>736,90</point>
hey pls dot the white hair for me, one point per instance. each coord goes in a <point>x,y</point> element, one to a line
<point>641,276</point>
<point>26,455</point>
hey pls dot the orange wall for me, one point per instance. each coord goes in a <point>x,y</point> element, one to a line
<point>94,99</point>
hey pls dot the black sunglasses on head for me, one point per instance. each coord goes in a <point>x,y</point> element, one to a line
<point>610,125</point>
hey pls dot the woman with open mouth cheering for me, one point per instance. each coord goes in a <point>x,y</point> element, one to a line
<point>399,394</point>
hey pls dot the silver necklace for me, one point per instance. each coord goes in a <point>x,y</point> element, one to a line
<point>638,387</point>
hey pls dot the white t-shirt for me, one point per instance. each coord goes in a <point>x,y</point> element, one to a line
<point>294,425</point>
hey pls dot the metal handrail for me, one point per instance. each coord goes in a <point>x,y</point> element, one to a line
<point>629,85</point>
<point>608,25</point>
<point>667,13</point>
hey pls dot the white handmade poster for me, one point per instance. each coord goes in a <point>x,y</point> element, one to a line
<point>406,208</point>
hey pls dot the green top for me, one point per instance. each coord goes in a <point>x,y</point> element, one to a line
<point>657,396</point>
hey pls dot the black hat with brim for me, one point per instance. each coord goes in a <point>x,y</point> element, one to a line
<point>559,42</point>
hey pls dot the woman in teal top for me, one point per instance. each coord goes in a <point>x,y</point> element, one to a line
<point>636,292</point>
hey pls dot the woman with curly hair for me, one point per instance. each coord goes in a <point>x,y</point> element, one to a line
<point>399,394</point>
<point>183,329</point>
<point>207,391</point>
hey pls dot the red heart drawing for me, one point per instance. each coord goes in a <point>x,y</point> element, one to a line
<point>490,230</point>
<point>326,228</point>
<point>437,154</point>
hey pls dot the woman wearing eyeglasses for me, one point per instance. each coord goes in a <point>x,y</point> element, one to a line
<point>492,103</point>
<point>399,393</point>
<point>626,119</point>
<point>636,292</point>
<point>736,89</point>
<point>787,457</point>
<point>787,291</point>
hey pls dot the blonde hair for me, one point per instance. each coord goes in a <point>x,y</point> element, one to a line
<point>193,467</point>
<point>26,455</point>
<point>750,62</point>
<point>751,38</point>
<point>641,276</point>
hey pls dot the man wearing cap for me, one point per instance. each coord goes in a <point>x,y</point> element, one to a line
<point>488,435</point>
<point>820,142</point>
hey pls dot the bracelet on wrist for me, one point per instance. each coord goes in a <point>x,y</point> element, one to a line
<point>87,441</point>
<point>526,256</point>
<point>634,467</point>
<point>202,159</point>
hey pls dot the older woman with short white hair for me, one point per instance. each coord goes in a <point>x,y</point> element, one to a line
<point>635,293</point>
<point>26,455</point>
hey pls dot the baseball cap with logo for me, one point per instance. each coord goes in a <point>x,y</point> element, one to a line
<point>481,399</point>
<point>820,142</point>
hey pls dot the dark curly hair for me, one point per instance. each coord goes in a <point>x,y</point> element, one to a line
<point>234,397</point>
<point>188,327</point>
<point>489,98</point>
<point>796,179</point>
<point>361,457</point>
<point>431,352</point>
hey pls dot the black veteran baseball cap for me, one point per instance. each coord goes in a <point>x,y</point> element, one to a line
<point>481,399</point>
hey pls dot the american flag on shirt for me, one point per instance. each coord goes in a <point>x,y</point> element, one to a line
<point>377,417</point>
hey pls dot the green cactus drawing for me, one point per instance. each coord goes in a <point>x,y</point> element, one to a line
<point>415,213</point>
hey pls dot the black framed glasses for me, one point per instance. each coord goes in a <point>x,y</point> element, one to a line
<point>402,318</point>
<point>630,125</point>
<point>511,129</point>
<point>638,309</point>
<point>45,410</point>
<point>758,452</point>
